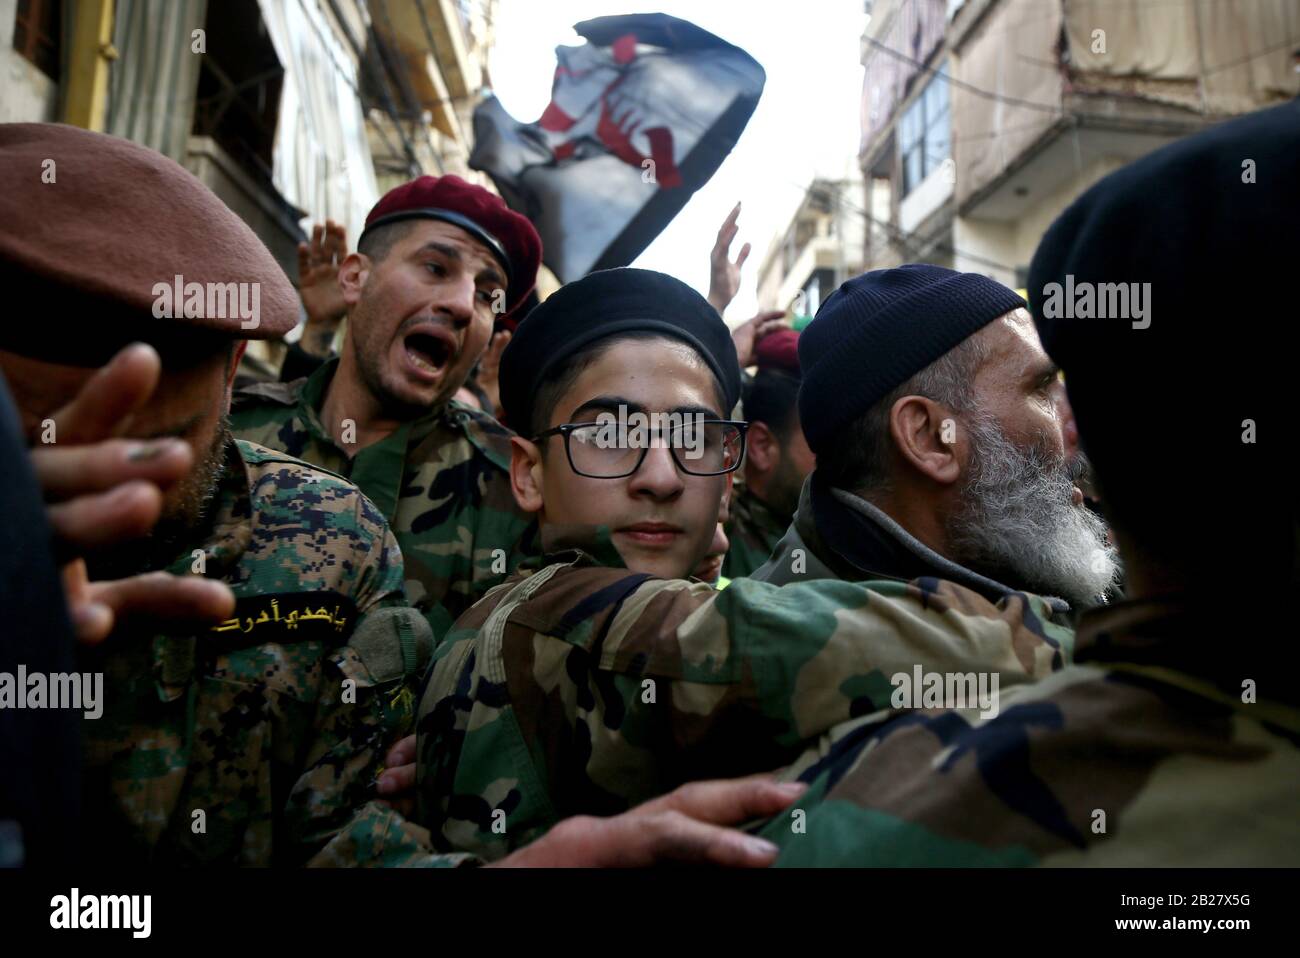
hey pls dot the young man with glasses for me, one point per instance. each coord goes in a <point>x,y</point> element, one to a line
<point>602,676</point>
<point>655,489</point>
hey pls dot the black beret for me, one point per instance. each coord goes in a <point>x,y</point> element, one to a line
<point>881,328</point>
<point>603,304</point>
<point>95,225</point>
<point>1204,232</point>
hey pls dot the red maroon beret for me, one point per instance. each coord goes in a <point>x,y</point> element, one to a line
<point>94,225</point>
<point>484,215</point>
<point>778,350</point>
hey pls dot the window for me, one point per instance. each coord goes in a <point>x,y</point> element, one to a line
<point>37,28</point>
<point>238,99</point>
<point>812,295</point>
<point>820,285</point>
<point>923,137</point>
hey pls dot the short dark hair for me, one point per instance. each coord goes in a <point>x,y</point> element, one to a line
<point>560,380</point>
<point>772,397</point>
<point>859,462</point>
<point>378,243</point>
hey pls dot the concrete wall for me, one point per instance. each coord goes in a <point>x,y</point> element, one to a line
<point>1014,242</point>
<point>928,196</point>
<point>26,94</point>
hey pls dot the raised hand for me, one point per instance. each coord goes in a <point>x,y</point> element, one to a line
<point>103,489</point>
<point>724,275</point>
<point>748,333</point>
<point>318,284</point>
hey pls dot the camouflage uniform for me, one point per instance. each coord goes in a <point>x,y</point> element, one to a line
<point>754,529</point>
<point>583,688</point>
<point>248,743</point>
<point>1142,753</point>
<point>441,481</point>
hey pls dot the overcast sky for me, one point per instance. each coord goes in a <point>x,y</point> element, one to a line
<point>806,121</point>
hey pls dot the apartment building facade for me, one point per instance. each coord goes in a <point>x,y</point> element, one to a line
<point>820,248</point>
<point>292,111</point>
<point>983,119</point>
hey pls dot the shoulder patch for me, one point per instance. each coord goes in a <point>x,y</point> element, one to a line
<point>282,617</point>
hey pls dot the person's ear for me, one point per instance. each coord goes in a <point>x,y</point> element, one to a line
<point>353,273</point>
<point>526,474</point>
<point>926,436</point>
<point>762,448</point>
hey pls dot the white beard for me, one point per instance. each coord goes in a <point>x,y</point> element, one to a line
<point>1017,522</point>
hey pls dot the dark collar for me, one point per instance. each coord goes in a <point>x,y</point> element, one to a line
<point>858,541</point>
<point>314,387</point>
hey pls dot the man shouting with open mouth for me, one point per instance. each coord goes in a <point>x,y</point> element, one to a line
<point>439,262</point>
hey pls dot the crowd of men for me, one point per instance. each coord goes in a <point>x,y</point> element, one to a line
<point>982,578</point>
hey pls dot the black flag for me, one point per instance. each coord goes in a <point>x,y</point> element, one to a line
<point>640,117</point>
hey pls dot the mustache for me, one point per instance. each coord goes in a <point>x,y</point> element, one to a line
<point>1078,469</point>
<point>1075,470</point>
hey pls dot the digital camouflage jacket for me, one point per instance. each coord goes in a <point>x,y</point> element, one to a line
<point>255,741</point>
<point>442,482</point>
<point>1159,747</point>
<point>583,688</point>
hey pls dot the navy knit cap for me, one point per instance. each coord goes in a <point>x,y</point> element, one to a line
<point>608,303</point>
<point>881,328</point>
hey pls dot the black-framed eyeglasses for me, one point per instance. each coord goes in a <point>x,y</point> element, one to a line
<point>700,447</point>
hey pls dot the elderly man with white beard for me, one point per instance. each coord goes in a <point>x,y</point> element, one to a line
<point>945,446</point>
